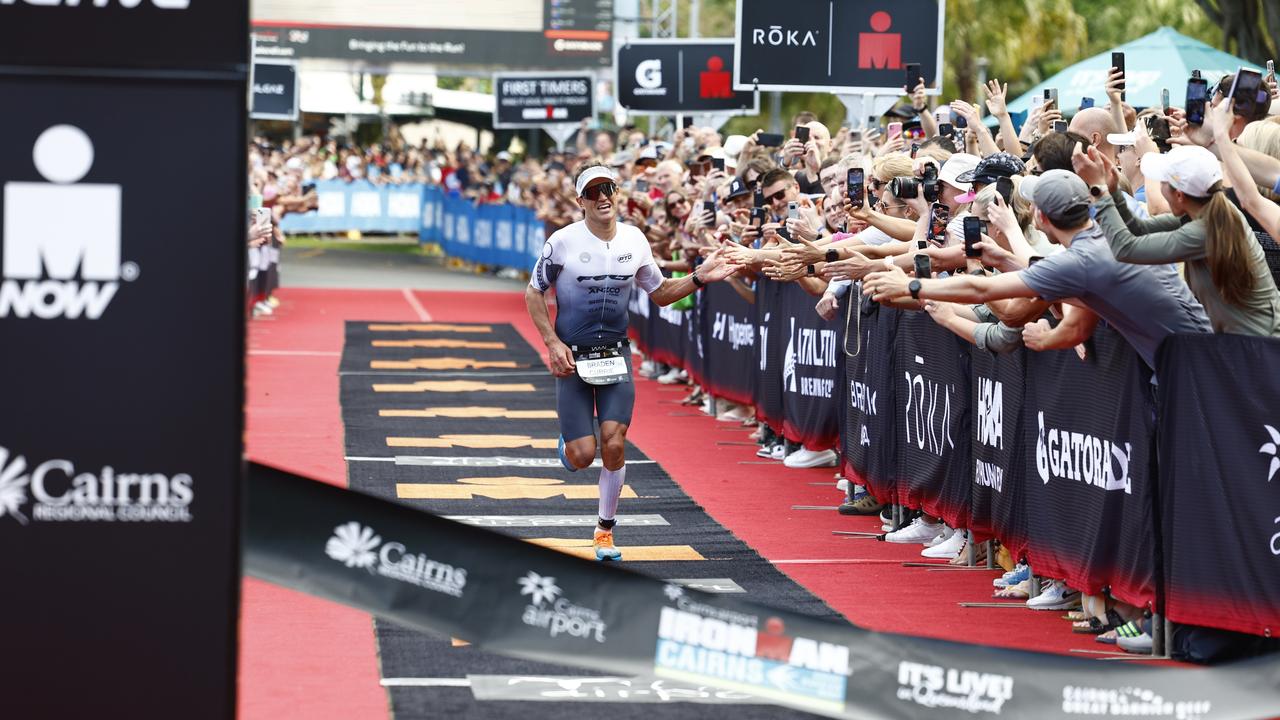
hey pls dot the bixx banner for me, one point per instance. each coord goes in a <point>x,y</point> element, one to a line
<point>432,574</point>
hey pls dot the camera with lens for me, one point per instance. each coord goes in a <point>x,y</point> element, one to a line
<point>929,183</point>
<point>905,188</point>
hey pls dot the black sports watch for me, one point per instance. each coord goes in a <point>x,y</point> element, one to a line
<point>1097,191</point>
<point>833,255</point>
<point>914,287</point>
<point>697,282</point>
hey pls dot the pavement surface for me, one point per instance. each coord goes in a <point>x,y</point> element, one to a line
<point>377,270</point>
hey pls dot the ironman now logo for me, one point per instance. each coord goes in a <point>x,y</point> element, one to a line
<point>61,238</point>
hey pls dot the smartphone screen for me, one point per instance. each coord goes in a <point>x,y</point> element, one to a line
<point>758,199</point>
<point>769,139</point>
<point>1059,126</point>
<point>855,186</point>
<point>1164,99</point>
<point>972,236</point>
<point>1197,97</point>
<point>757,217</point>
<point>946,130</point>
<point>709,207</point>
<point>914,76</point>
<point>718,164</point>
<point>793,210</point>
<point>1004,186</point>
<point>939,215</point>
<point>960,122</point>
<point>1117,62</point>
<point>1244,92</point>
<point>642,185</point>
<point>924,268</point>
<point>802,133</point>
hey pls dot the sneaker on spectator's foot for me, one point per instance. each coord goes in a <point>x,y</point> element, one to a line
<point>947,549</point>
<point>647,369</point>
<point>918,531</point>
<point>735,413</point>
<point>1020,572</point>
<point>263,308</point>
<point>778,451</point>
<point>806,458</point>
<point>766,451</point>
<point>1131,637</point>
<point>673,376</point>
<point>564,459</point>
<point>1055,596</point>
<point>273,301</point>
<point>843,485</point>
<point>947,532</point>
<point>603,544</point>
<point>861,505</point>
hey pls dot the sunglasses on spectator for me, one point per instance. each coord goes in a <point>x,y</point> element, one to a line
<point>883,207</point>
<point>675,201</point>
<point>780,195</point>
<point>595,191</point>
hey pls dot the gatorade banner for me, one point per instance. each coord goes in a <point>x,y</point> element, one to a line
<point>811,373</point>
<point>931,373</point>
<point>432,574</point>
<point>1087,432</point>
<point>730,332</point>
<point>870,443</point>
<point>1220,481</point>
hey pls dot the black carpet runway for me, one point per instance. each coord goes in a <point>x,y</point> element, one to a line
<point>459,420</point>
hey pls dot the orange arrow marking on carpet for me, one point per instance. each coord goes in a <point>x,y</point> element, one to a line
<point>447,363</point>
<point>429,327</point>
<point>471,412</point>
<point>474,441</point>
<point>504,488</point>
<point>582,548</point>
<point>453,386</point>
<point>441,343</point>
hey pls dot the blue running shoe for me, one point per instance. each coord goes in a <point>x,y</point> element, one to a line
<point>1019,573</point>
<point>564,459</point>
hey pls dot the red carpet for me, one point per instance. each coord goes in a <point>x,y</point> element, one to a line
<point>307,658</point>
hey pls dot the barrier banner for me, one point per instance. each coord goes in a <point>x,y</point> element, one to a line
<point>640,322</point>
<point>931,371</point>
<point>1220,481</point>
<point>694,354</point>
<point>769,318</point>
<point>730,329</point>
<point>122,290</point>
<point>811,378</point>
<point>1087,430</point>
<point>996,503</point>
<point>428,573</point>
<point>669,334</point>
<point>870,445</point>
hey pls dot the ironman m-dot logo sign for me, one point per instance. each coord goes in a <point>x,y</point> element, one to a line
<point>61,238</point>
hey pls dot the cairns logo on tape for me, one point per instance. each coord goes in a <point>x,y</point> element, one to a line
<point>1130,702</point>
<point>550,610</point>
<point>939,687</point>
<point>61,493</point>
<point>699,642</point>
<point>360,546</point>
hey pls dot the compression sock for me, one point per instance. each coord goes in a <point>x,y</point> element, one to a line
<point>610,488</point>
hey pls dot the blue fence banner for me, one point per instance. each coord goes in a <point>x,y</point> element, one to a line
<point>360,206</point>
<point>499,235</point>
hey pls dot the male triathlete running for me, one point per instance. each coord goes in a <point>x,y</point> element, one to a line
<point>593,265</point>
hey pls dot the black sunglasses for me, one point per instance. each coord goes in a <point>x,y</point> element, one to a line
<point>780,195</point>
<point>595,191</point>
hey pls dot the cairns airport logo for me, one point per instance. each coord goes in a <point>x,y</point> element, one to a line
<point>60,264</point>
<point>61,493</point>
<point>550,610</point>
<point>359,546</point>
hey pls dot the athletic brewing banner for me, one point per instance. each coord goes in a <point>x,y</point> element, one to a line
<point>812,382</point>
<point>122,377</point>
<point>1220,481</point>
<point>432,574</point>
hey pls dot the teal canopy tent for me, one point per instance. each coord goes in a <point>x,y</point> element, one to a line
<point>1163,59</point>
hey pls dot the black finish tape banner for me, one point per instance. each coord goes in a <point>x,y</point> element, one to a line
<point>1219,437</point>
<point>432,574</point>
<point>932,418</point>
<point>1087,433</point>
<point>811,375</point>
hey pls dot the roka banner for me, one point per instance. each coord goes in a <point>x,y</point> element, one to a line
<point>665,76</point>
<point>123,371</point>
<point>1220,481</point>
<point>837,46</point>
<point>870,450</point>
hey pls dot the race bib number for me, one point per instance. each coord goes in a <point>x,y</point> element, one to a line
<point>603,371</point>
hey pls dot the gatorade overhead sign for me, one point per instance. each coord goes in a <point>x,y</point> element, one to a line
<point>538,99</point>
<point>847,47</point>
<point>680,76</point>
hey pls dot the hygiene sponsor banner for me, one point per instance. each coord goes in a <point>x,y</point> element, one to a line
<point>730,342</point>
<point>812,373</point>
<point>507,596</point>
<point>1087,439</point>
<point>1219,438</point>
<point>931,372</point>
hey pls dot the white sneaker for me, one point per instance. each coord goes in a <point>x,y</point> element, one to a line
<point>1055,596</point>
<point>779,451</point>
<point>948,549</point>
<point>946,535</point>
<point>918,531</point>
<point>735,413</point>
<point>647,369</point>
<point>843,485</point>
<point>672,377</point>
<point>262,308</point>
<point>806,458</point>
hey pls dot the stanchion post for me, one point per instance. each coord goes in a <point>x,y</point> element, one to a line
<point>991,555</point>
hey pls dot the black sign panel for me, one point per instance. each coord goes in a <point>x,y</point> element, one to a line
<point>846,46</point>
<point>275,91</point>
<point>169,34</point>
<point>538,99</point>
<point>689,76</point>
<point>730,330</point>
<point>870,452</point>
<point>812,364</point>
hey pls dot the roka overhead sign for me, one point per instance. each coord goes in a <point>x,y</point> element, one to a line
<point>687,76</point>
<point>275,91</point>
<point>850,46</point>
<point>537,99</point>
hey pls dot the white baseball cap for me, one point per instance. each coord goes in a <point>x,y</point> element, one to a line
<point>1122,139</point>
<point>955,166</point>
<point>595,172</point>
<point>1189,168</point>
